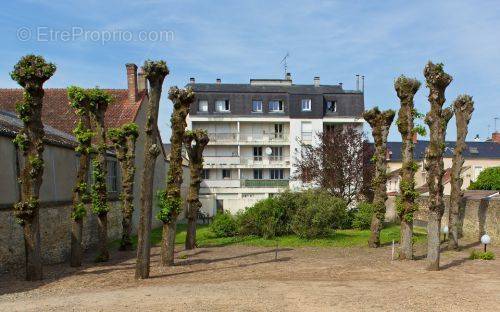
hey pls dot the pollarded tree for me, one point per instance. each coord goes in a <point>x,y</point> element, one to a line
<point>123,140</point>
<point>194,142</point>
<point>170,200</point>
<point>31,72</point>
<point>155,72</point>
<point>463,107</point>
<point>99,101</point>
<point>405,203</point>
<point>80,101</point>
<point>437,120</point>
<point>380,121</point>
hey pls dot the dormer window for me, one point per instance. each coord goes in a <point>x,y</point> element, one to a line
<point>276,106</point>
<point>306,105</point>
<point>222,106</point>
<point>256,106</point>
<point>331,106</point>
<point>203,106</point>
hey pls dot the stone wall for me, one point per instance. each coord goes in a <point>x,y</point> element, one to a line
<point>55,229</point>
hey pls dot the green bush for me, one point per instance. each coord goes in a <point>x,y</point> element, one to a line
<point>363,216</point>
<point>318,214</point>
<point>489,179</point>
<point>224,225</point>
<point>482,255</point>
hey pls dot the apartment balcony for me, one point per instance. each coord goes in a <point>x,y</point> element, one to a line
<point>213,162</point>
<point>235,138</point>
<point>237,183</point>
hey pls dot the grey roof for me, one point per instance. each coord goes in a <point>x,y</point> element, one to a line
<point>10,125</point>
<point>248,88</point>
<point>474,150</point>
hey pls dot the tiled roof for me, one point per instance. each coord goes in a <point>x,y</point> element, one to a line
<point>58,113</point>
<point>473,150</point>
<point>242,88</point>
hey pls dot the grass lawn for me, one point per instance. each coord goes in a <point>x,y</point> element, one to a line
<point>340,238</point>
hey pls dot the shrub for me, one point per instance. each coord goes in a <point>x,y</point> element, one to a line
<point>318,214</point>
<point>488,179</point>
<point>363,216</point>
<point>482,255</point>
<point>224,225</point>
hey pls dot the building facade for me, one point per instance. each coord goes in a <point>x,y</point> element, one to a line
<point>255,131</point>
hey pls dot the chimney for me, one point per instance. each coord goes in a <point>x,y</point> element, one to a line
<point>363,84</point>
<point>132,82</point>
<point>142,83</point>
<point>340,84</point>
<point>357,82</point>
<point>288,76</point>
<point>415,138</point>
<point>191,80</point>
<point>316,81</point>
<point>218,81</point>
<point>495,137</point>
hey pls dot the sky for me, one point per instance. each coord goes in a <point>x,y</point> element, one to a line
<point>91,41</point>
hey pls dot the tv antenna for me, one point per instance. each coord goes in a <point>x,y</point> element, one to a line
<point>496,118</point>
<point>284,62</point>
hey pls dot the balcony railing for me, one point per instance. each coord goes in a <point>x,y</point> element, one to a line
<point>245,183</point>
<point>223,137</point>
<point>248,137</point>
<point>246,160</point>
<point>264,183</point>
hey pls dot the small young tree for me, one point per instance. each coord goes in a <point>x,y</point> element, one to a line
<point>80,102</point>
<point>171,201</point>
<point>380,121</point>
<point>195,142</point>
<point>124,139</point>
<point>437,120</point>
<point>335,163</point>
<point>405,203</point>
<point>100,100</point>
<point>463,107</point>
<point>31,72</point>
<point>155,72</point>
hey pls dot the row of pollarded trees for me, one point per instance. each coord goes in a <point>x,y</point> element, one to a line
<point>437,120</point>
<point>92,137</point>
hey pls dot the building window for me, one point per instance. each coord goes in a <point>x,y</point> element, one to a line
<point>276,174</point>
<point>203,106</point>
<point>256,106</point>
<point>276,106</point>
<point>306,128</point>
<point>331,106</point>
<point>205,174</point>
<point>112,176</point>
<point>257,174</point>
<point>306,105</point>
<point>222,106</point>
<point>277,153</point>
<point>477,171</point>
<point>226,174</point>
<point>257,153</point>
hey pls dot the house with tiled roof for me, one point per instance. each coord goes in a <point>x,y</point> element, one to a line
<point>59,119</point>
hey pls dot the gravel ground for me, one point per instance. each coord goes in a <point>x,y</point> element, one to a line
<point>241,278</point>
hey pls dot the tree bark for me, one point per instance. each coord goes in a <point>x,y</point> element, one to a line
<point>463,107</point>
<point>155,72</point>
<point>33,251</point>
<point>168,248</point>
<point>406,89</point>
<point>380,121</point>
<point>437,120</point>
<point>76,243</point>
<point>191,233</point>
<point>102,234</point>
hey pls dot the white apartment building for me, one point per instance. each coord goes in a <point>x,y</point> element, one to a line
<point>255,130</point>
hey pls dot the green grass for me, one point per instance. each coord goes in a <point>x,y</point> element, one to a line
<point>340,238</point>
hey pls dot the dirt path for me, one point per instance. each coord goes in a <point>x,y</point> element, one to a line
<point>239,278</point>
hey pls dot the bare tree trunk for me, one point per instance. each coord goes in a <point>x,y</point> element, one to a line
<point>463,107</point>
<point>406,89</point>
<point>155,72</point>
<point>191,232</point>
<point>168,248</point>
<point>437,120</point>
<point>76,243</point>
<point>102,222</point>
<point>380,121</point>
<point>33,250</point>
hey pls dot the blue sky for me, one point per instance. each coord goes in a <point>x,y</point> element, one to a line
<point>237,40</point>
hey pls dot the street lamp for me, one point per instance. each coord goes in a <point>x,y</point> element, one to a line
<point>445,231</point>
<point>485,240</point>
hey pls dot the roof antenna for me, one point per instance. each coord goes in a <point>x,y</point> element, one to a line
<point>496,118</point>
<point>284,62</point>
